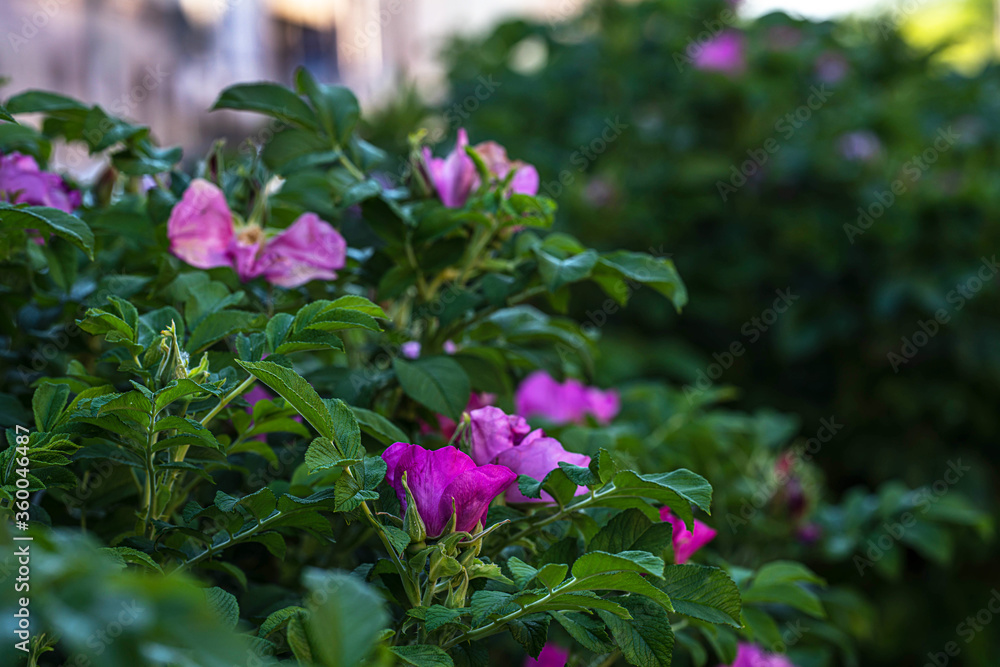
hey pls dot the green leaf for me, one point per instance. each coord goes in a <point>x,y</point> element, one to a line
<point>703,592</point>
<point>520,571</point>
<point>438,616</point>
<point>678,490</point>
<point>784,571</point>
<point>48,403</point>
<point>52,221</point>
<point>216,326</point>
<point>31,101</point>
<point>224,605</point>
<point>322,454</point>
<point>597,562</point>
<point>347,618</point>
<point>631,582</point>
<point>345,428</point>
<point>656,272</point>
<point>278,619</point>
<point>632,530</point>
<point>557,272</point>
<point>790,594</point>
<point>378,426</point>
<point>270,99</point>
<point>277,330</point>
<point>310,339</point>
<point>552,575</point>
<point>296,391</point>
<point>336,106</point>
<point>437,382</point>
<point>130,555</point>
<point>423,655</point>
<point>179,389</point>
<point>261,504</point>
<point>588,632</point>
<point>6,116</point>
<point>645,641</point>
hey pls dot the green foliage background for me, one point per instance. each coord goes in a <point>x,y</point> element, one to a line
<point>656,185</point>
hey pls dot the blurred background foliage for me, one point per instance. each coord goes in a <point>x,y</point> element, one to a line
<point>893,85</point>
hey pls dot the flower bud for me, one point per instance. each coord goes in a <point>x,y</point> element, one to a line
<point>412,523</point>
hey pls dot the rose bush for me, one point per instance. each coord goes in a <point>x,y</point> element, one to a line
<point>432,476</point>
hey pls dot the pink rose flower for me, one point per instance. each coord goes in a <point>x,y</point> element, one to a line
<point>750,655</point>
<point>455,177</point>
<point>723,53</point>
<point>202,233</point>
<point>564,403</point>
<point>509,441</point>
<point>23,182</point>
<point>552,655</point>
<point>444,482</point>
<point>686,542</point>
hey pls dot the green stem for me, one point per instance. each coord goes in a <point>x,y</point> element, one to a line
<point>563,511</point>
<point>497,625</point>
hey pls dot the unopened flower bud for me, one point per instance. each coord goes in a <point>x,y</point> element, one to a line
<point>412,523</point>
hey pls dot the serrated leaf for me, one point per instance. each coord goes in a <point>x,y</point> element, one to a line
<point>703,592</point>
<point>224,604</point>
<point>597,562</point>
<point>346,620</point>
<point>645,641</point>
<point>632,530</point>
<point>52,221</point>
<point>438,382</point>
<point>423,655</point>
<point>296,391</point>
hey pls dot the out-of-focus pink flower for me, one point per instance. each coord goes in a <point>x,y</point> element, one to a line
<point>686,542</point>
<point>831,67</point>
<point>449,347</point>
<point>23,182</point>
<point>809,533</point>
<point>455,177</point>
<point>552,655</point>
<point>444,482</point>
<point>410,349</point>
<point>860,146</point>
<point>509,441</point>
<point>723,53</point>
<point>750,655</point>
<point>202,233</point>
<point>564,403</point>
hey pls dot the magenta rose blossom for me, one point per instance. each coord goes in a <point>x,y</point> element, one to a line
<point>687,542</point>
<point>444,481</point>
<point>723,53</point>
<point>203,234</point>
<point>564,403</point>
<point>509,440</point>
<point>750,655</point>
<point>23,182</point>
<point>552,655</point>
<point>455,177</point>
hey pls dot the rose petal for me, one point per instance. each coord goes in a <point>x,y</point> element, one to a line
<point>200,227</point>
<point>309,249</point>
